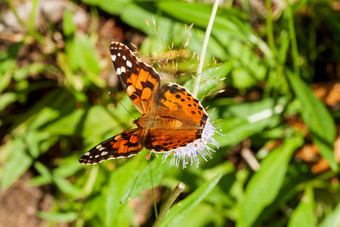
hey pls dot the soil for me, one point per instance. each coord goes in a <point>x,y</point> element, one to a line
<point>19,204</point>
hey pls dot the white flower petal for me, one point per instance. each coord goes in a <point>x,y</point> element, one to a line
<point>199,147</point>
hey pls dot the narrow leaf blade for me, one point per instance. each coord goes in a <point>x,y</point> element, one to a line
<point>181,209</point>
<point>264,186</point>
<point>303,215</point>
<point>318,119</point>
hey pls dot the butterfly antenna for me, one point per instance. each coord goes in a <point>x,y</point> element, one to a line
<point>113,96</point>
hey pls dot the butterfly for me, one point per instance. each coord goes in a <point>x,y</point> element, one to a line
<point>171,117</point>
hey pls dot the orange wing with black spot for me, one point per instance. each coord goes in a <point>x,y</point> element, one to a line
<point>184,112</point>
<point>140,81</point>
<point>162,140</point>
<point>123,145</point>
<point>177,102</point>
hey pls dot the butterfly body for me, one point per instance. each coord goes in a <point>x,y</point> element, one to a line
<point>148,122</point>
<point>171,116</point>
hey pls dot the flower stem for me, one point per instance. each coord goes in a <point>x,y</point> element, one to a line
<point>166,206</point>
<point>270,30</point>
<point>204,47</point>
<point>153,192</point>
<point>12,7</point>
<point>292,36</point>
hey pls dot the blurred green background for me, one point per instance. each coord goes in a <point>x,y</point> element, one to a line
<point>271,81</point>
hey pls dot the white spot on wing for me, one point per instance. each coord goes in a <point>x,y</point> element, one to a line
<point>100,147</point>
<point>118,54</point>
<point>97,156</point>
<point>87,154</point>
<point>124,57</point>
<point>118,71</point>
<point>104,153</point>
<point>113,57</point>
<point>129,64</point>
<point>123,70</point>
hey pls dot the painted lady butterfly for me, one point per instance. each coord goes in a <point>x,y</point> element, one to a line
<point>171,117</point>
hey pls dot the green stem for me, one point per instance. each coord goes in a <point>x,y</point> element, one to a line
<point>153,192</point>
<point>166,206</point>
<point>91,180</point>
<point>21,22</point>
<point>292,36</point>
<point>33,16</point>
<point>270,31</point>
<point>204,47</point>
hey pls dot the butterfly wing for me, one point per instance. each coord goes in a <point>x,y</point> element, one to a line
<point>186,119</point>
<point>176,102</point>
<point>139,80</point>
<point>162,140</point>
<point>123,145</point>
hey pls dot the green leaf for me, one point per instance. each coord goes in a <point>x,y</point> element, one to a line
<point>8,57</point>
<point>210,79</point>
<point>68,24</point>
<point>332,219</point>
<point>120,182</point>
<point>235,37</point>
<point>26,71</point>
<point>215,48</point>
<point>136,16</point>
<point>67,168</point>
<point>143,181</point>
<point>7,64</point>
<point>113,7</point>
<point>318,119</point>
<point>18,162</point>
<point>264,186</point>
<point>45,176</point>
<point>6,99</point>
<point>297,176</point>
<point>221,194</point>
<point>182,208</point>
<point>5,79</point>
<point>44,171</point>
<point>99,121</point>
<point>83,56</point>
<point>246,119</point>
<point>67,187</point>
<point>92,205</point>
<point>199,15</point>
<point>63,185</point>
<point>58,216</point>
<point>303,215</point>
<point>235,130</point>
<point>203,215</point>
<point>188,12</point>
<point>66,125</point>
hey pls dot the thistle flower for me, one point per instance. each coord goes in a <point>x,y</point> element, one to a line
<point>191,151</point>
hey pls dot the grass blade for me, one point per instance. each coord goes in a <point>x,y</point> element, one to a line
<point>318,119</point>
<point>264,186</point>
<point>181,209</point>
